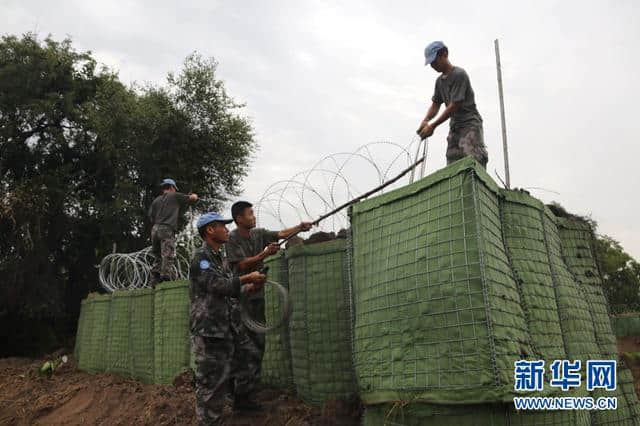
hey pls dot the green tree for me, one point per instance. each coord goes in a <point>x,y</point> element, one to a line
<point>80,159</point>
<point>621,275</point>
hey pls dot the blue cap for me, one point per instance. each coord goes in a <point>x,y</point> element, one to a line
<point>431,51</point>
<point>210,217</point>
<point>169,182</point>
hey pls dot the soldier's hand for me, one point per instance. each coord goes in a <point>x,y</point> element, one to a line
<point>305,226</point>
<point>256,277</point>
<point>422,124</point>
<point>426,131</point>
<point>248,288</point>
<point>271,249</point>
<point>193,197</point>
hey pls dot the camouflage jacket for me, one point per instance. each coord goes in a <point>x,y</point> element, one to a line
<point>214,291</point>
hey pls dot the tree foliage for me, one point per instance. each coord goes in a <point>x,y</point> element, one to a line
<point>81,155</point>
<point>621,275</point>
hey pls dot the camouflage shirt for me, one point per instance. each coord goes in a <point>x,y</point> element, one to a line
<point>214,291</point>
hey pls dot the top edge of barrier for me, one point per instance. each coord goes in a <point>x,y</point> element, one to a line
<point>167,285</point>
<point>575,224</point>
<point>326,247</point>
<point>275,257</point>
<point>97,298</point>
<point>459,167</point>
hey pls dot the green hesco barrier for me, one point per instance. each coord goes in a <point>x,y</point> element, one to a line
<point>141,334</point>
<point>627,325</point>
<point>437,309</point>
<point>97,323</point>
<point>578,253</point>
<point>118,347</point>
<point>417,414</point>
<point>81,338</point>
<point>276,364</point>
<point>320,322</point>
<point>172,343</point>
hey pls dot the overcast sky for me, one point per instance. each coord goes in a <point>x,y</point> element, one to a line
<point>324,77</point>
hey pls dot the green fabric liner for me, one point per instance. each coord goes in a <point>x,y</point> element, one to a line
<point>409,248</point>
<point>172,342</point>
<point>419,414</point>
<point>117,351</point>
<point>320,323</point>
<point>437,309</point>
<point>577,248</point>
<point>80,342</point>
<point>141,334</point>
<point>97,323</point>
<point>276,364</point>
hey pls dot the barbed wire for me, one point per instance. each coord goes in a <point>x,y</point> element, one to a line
<point>306,195</point>
<point>131,271</point>
<point>331,181</point>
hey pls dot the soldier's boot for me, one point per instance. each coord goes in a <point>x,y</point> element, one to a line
<point>244,403</point>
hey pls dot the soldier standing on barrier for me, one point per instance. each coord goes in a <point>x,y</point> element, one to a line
<point>453,89</point>
<point>248,247</point>
<point>163,213</point>
<point>223,350</point>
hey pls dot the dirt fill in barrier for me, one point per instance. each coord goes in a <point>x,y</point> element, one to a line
<point>276,364</point>
<point>320,322</point>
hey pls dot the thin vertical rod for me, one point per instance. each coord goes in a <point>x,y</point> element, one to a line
<point>502,119</point>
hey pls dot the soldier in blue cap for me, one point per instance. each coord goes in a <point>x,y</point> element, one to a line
<point>222,348</point>
<point>453,88</point>
<point>163,214</point>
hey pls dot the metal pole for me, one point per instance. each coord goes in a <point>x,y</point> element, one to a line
<point>504,125</point>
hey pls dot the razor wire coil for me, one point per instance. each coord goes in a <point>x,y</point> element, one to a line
<point>255,325</point>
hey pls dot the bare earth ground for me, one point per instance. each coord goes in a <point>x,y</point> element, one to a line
<point>73,397</point>
<point>631,344</point>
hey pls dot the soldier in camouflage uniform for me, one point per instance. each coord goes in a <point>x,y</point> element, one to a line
<point>163,214</point>
<point>247,248</point>
<point>453,88</point>
<point>224,353</point>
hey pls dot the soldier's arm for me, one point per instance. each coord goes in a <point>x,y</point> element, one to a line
<point>247,263</point>
<point>459,87</point>
<point>303,226</point>
<point>218,283</point>
<point>446,114</point>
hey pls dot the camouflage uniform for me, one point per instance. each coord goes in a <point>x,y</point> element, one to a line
<point>163,214</point>
<point>465,125</point>
<point>239,248</point>
<point>463,142</point>
<point>224,353</point>
<point>163,247</point>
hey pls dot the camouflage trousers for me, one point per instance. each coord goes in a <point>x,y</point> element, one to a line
<point>163,247</point>
<point>224,366</point>
<point>464,142</point>
<point>257,339</point>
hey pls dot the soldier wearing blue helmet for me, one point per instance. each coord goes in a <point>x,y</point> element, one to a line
<point>222,348</point>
